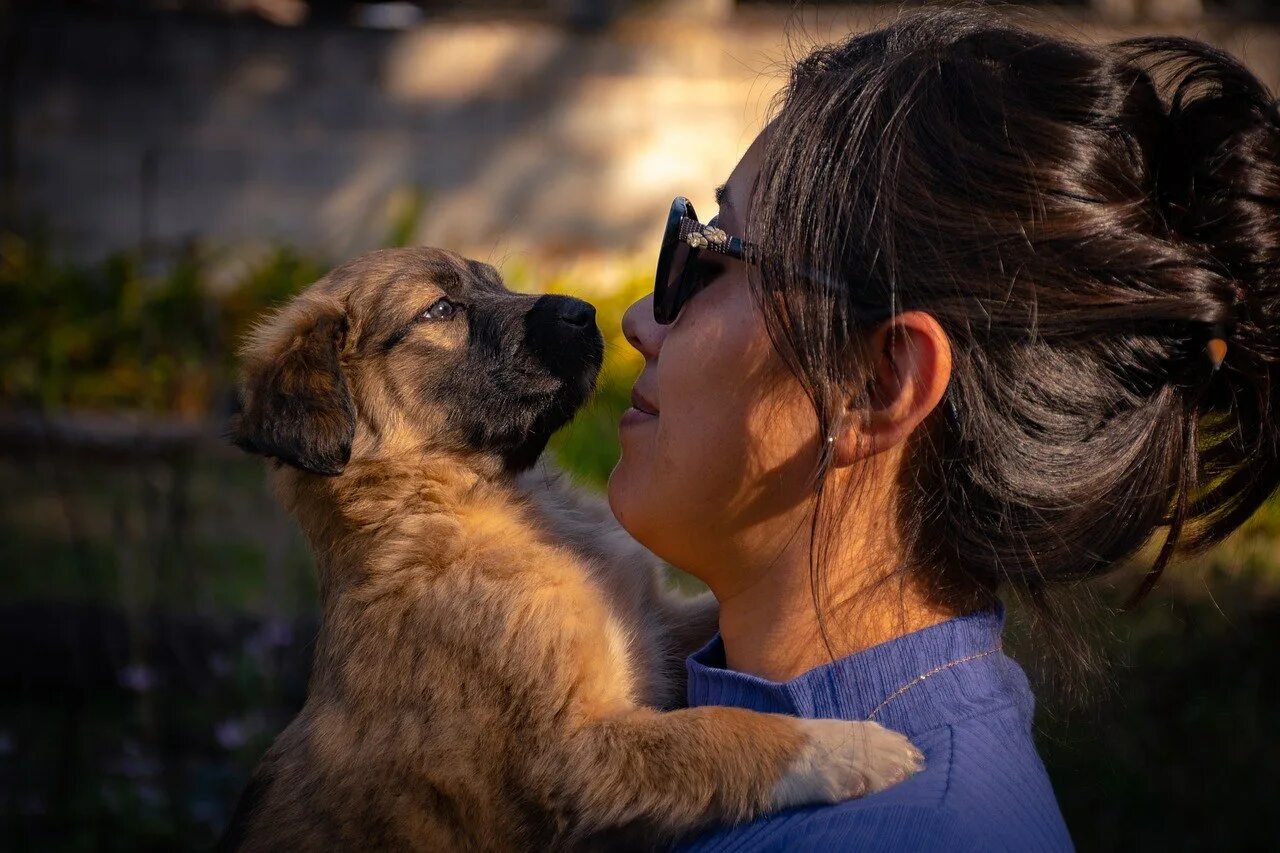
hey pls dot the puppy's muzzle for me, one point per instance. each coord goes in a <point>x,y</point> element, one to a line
<point>561,333</point>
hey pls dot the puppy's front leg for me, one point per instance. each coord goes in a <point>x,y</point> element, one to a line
<point>659,776</point>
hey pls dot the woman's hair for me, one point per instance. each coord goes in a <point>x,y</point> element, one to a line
<point>1081,220</point>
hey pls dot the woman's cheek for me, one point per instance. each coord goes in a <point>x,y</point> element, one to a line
<point>682,477</point>
<point>670,481</point>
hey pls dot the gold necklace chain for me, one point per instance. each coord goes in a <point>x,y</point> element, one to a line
<point>919,678</point>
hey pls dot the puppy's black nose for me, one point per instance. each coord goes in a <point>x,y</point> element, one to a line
<point>574,312</point>
<point>561,333</point>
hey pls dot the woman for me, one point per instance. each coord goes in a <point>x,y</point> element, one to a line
<point>981,309</point>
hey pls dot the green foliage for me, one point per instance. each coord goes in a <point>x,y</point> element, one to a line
<point>114,336</point>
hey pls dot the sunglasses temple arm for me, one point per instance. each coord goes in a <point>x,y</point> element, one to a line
<point>750,253</point>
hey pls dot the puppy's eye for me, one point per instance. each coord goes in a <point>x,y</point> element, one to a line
<point>441,309</point>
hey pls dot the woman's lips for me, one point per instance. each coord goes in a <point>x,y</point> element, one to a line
<point>641,411</point>
<point>640,402</point>
<point>634,416</point>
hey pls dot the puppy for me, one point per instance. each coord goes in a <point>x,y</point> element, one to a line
<point>493,648</point>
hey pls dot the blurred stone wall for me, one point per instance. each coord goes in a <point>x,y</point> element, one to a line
<point>518,137</point>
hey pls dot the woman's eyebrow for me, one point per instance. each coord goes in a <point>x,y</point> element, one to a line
<point>722,195</point>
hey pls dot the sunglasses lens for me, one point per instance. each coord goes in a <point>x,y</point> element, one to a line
<point>673,258</point>
<point>674,294</point>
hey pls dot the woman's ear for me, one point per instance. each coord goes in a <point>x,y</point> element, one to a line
<point>911,367</point>
<point>295,403</point>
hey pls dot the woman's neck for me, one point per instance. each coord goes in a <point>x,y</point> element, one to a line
<point>771,628</point>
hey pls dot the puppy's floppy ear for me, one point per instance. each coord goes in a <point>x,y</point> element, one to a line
<point>296,405</point>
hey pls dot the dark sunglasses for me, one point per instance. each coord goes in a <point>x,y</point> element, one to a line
<point>683,268</point>
<point>687,262</point>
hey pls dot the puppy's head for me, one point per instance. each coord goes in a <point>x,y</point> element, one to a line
<point>414,349</point>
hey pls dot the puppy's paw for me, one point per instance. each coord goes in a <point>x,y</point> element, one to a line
<point>841,760</point>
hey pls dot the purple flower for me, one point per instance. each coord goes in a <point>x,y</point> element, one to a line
<point>234,732</point>
<point>230,734</point>
<point>138,677</point>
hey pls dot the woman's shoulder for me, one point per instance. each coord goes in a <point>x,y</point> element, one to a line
<point>980,790</point>
<point>884,827</point>
<point>965,705</point>
<point>984,788</point>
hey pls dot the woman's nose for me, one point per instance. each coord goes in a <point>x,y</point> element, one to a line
<point>641,330</point>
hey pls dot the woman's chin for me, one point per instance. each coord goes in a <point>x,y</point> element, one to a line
<point>625,493</point>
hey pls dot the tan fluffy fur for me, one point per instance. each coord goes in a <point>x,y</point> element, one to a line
<point>493,649</point>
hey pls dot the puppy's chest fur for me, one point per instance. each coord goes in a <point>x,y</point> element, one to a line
<point>421,560</point>
<point>624,574</point>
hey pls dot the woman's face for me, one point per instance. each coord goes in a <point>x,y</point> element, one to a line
<point>721,442</point>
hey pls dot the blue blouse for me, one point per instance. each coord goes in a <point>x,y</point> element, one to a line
<point>983,786</point>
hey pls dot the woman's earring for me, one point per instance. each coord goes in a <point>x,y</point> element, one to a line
<point>835,429</point>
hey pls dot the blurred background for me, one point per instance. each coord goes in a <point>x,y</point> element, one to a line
<point>171,168</point>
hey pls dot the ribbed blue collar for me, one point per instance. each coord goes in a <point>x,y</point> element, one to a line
<point>851,687</point>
